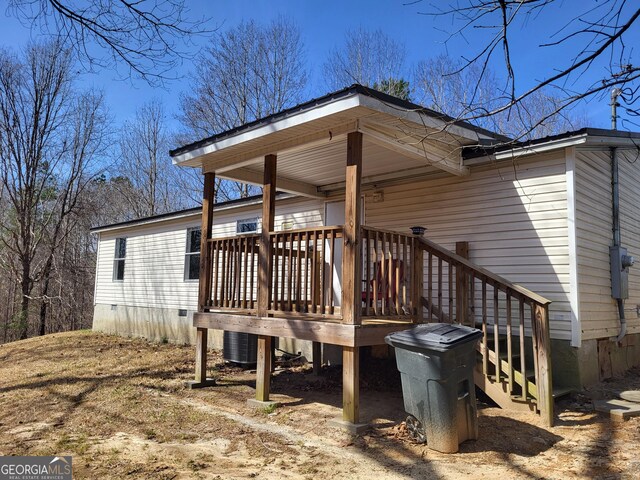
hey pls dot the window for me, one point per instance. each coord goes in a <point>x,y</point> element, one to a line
<point>192,255</point>
<point>248,225</point>
<point>118,262</point>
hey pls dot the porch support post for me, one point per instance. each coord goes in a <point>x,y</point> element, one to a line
<point>204,282</point>
<point>351,274</point>
<point>204,285</point>
<point>351,279</point>
<point>263,374</point>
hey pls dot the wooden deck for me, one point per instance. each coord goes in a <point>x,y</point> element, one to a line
<point>370,332</point>
<point>281,284</point>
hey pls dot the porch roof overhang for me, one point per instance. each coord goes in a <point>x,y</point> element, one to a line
<point>400,139</point>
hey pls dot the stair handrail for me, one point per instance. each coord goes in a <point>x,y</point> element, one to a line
<point>540,321</point>
<point>492,278</point>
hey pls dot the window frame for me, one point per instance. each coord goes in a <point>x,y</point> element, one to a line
<point>188,254</point>
<point>117,259</point>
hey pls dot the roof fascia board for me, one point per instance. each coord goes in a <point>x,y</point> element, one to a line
<point>196,214</point>
<point>143,223</point>
<point>336,106</point>
<point>518,152</point>
<point>612,141</point>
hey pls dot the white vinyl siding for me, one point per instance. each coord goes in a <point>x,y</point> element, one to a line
<point>514,218</point>
<point>155,255</point>
<point>598,311</point>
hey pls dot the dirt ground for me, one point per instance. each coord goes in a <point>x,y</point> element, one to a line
<point>120,407</point>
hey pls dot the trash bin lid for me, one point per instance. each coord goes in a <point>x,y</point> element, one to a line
<point>434,336</point>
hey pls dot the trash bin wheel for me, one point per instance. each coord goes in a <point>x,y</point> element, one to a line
<point>415,429</point>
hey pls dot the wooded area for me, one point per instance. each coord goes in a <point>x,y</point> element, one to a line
<point>65,166</point>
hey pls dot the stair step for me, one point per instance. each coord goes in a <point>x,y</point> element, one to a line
<point>559,392</point>
<point>518,398</point>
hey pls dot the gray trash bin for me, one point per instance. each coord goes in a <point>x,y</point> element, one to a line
<point>436,364</point>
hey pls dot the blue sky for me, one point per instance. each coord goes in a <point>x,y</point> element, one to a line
<point>323,25</point>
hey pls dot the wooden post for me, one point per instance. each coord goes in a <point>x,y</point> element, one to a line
<point>317,357</point>
<point>268,221</point>
<point>201,355</point>
<point>204,286</point>
<point>542,351</point>
<point>350,384</point>
<point>263,373</point>
<point>462,285</point>
<point>417,287</point>
<point>204,282</point>
<point>351,277</point>
<point>351,274</point>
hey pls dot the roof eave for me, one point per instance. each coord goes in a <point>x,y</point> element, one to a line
<point>337,102</point>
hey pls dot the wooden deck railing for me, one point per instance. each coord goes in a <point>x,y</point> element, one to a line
<point>404,278</point>
<point>304,266</point>
<point>235,272</point>
<point>515,345</point>
<point>389,289</point>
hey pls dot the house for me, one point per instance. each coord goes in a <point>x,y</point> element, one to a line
<point>147,269</point>
<point>517,243</point>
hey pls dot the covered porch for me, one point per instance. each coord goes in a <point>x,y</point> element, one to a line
<point>348,284</point>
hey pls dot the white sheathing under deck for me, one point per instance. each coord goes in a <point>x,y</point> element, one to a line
<point>514,217</point>
<point>154,265</point>
<point>598,311</point>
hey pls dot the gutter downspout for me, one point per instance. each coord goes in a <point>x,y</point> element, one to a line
<point>615,206</point>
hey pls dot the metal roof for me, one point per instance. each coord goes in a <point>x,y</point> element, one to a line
<point>354,89</point>
<point>237,203</point>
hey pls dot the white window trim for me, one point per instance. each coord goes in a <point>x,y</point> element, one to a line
<point>119,259</point>
<point>187,256</point>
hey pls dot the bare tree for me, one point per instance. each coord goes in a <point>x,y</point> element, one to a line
<point>593,38</point>
<point>248,72</point>
<point>463,91</point>
<point>370,58</point>
<point>149,37</point>
<point>50,137</point>
<point>149,182</point>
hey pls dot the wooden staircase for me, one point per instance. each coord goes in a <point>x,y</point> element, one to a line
<point>514,353</point>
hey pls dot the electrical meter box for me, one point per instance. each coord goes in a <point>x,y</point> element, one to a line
<point>620,263</point>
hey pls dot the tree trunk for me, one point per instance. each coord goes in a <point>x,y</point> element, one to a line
<point>23,325</point>
<point>43,305</point>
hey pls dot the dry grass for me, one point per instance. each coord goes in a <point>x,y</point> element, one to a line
<point>119,406</point>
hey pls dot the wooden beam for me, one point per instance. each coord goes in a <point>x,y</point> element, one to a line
<point>263,371</point>
<point>350,384</point>
<point>246,175</point>
<point>351,256</point>
<point>302,328</point>
<point>411,151</point>
<point>208,198</point>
